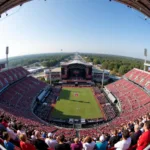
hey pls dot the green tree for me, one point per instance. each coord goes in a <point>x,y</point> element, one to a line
<point>114,72</point>
<point>96,61</point>
<point>111,66</point>
<point>105,65</point>
<point>123,69</point>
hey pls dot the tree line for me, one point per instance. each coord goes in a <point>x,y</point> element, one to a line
<point>118,65</point>
<point>47,60</point>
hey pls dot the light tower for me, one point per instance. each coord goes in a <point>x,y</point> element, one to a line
<point>145,62</point>
<point>50,76</point>
<point>7,52</point>
<point>145,54</point>
<point>103,77</point>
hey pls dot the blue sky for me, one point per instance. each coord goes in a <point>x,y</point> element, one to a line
<point>97,26</point>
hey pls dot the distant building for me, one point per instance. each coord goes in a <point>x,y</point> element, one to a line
<point>98,74</point>
<point>47,74</point>
<point>2,65</point>
<point>55,74</point>
<point>35,70</point>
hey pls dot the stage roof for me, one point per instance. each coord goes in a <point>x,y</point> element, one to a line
<point>140,5</point>
<point>75,62</point>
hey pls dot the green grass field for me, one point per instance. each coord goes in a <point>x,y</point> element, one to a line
<point>76,103</point>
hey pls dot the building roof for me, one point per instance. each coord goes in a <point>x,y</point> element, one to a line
<point>75,62</point>
<point>140,5</point>
<point>58,69</point>
<point>98,70</point>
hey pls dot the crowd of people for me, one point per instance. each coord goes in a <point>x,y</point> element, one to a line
<point>26,132</point>
<point>15,136</point>
<point>99,95</point>
<point>43,110</point>
<point>109,111</point>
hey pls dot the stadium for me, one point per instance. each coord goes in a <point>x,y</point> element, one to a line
<point>75,107</point>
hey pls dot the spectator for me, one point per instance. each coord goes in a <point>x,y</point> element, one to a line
<point>13,124</point>
<point>119,134</point>
<point>20,130</point>
<point>39,143</point>
<point>4,122</point>
<point>114,138</point>
<point>148,117</point>
<point>76,145</point>
<point>1,141</point>
<point>11,133</point>
<point>2,127</point>
<point>137,121</point>
<point>24,144</point>
<point>50,141</point>
<point>130,126</point>
<point>141,127</point>
<point>8,145</point>
<point>107,137</point>
<point>101,144</point>
<point>61,145</point>
<point>124,144</point>
<point>43,135</point>
<point>144,139</point>
<point>135,136</point>
<point>69,140</point>
<point>88,143</point>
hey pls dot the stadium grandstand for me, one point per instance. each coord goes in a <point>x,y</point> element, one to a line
<point>75,114</point>
<point>121,101</point>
